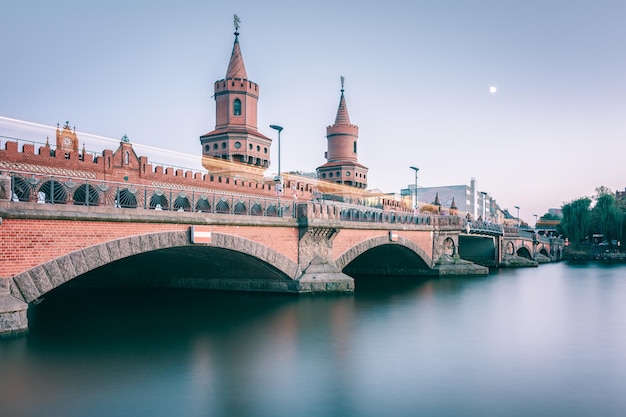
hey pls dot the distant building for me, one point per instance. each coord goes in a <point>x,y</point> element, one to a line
<point>555,212</point>
<point>462,200</point>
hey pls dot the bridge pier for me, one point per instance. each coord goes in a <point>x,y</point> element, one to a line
<point>13,317</point>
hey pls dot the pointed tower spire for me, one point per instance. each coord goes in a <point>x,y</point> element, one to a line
<point>342,164</point>
<point>342,112</point>
<point>236,67</point>
<point>437,202</point>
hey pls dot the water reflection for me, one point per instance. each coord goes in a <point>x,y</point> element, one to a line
<point>540,341</point>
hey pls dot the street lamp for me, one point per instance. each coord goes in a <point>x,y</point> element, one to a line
<point>415,169</point>
<point>518,223</point>
<point>279,178</point>
<point>535,221</point>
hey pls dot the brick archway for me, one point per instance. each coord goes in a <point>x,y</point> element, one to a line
<point>351,254</point>
<point>37,281</point>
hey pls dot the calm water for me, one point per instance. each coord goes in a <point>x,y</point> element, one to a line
<point>547,341</point>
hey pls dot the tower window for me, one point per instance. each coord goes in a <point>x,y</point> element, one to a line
<point>354,146</point>
<point>237,107</point>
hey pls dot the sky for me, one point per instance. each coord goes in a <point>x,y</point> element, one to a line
<point>418,83</point>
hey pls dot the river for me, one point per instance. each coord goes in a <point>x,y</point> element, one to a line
<point>546,341</point>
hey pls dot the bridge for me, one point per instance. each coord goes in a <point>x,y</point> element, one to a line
<point>53,230</point>
<point>496,245</point>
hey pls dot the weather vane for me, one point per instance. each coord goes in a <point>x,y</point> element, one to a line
<point>237,21</point>
<point>342,81</point>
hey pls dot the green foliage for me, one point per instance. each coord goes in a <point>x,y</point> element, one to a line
<point>576,219</point>
<point>550,216</point>
<point>608,217</point>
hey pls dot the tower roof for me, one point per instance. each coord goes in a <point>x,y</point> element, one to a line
<point>236,67</point>
<point>342,112</point>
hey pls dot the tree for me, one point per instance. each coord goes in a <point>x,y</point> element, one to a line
<point>576,219</point>
<point>607,217</point>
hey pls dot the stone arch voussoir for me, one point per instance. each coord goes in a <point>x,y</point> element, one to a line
<point>37,281</point>
<point>351,254</point>
<point>257,250</point>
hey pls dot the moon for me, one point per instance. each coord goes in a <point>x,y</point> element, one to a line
<point>492,89</point>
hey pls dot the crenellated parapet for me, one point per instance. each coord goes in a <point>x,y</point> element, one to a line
<point>123,165</point>
<point>239,85</point>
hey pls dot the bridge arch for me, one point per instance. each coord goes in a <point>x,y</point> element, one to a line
<point>524,252</point>
<point>39,280</point>
<point>377,242</point>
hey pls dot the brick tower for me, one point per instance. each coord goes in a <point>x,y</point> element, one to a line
<point>343,166</point>
<point>67,141</point>
<point>235,148</point>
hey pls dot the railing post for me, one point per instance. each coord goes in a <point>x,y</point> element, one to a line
<point>51,190</point>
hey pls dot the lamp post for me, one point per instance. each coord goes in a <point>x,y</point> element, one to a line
<point>278,180</point>
<point>518,222</point>
<point>415,169</point>
<point>535,221</point>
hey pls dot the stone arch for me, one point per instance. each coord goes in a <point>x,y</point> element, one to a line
<point>37,281</point>
<point>448,247</point>
<point>524,252</point>
<point>362,247</point>
<point>510,248</point>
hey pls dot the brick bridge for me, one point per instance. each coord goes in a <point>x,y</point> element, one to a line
<point>505,246</point>
<point>314,248</point>
<point>317,249</point>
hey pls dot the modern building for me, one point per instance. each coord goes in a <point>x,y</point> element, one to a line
<point>460,199</point>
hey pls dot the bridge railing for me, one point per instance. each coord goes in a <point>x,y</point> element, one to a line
<point>91,192</point>
<point>482,227</point>
<point>366,214</point>
<point>86,192</point>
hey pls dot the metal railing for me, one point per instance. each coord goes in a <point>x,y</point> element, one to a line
<point>89,192</point>
<point>50,189</point>
<point>481,227</point>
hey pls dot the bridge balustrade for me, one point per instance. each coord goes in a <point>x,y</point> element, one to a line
<point>87,192</point>
<point>91,192</point>
<point>482,227</point>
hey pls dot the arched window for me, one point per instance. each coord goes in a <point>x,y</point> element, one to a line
<point>354,146</point>
<point>126,158</point>
<point>237,107</point>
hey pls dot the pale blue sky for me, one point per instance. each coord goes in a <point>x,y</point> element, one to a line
<point>417,84</point>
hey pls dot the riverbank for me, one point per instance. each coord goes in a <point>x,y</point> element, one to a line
<point>593,253</point>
